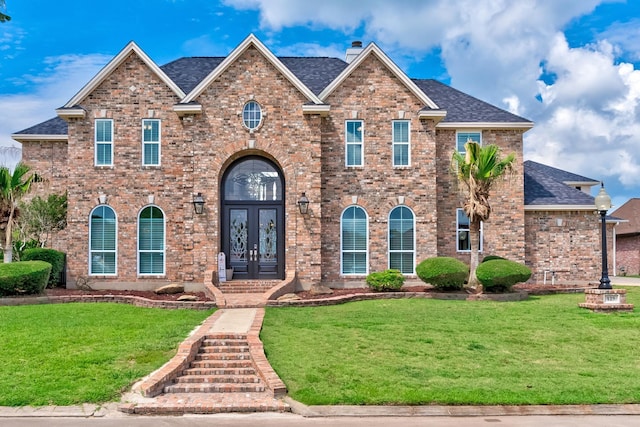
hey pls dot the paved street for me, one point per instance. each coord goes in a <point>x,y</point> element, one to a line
<point>273,420</point>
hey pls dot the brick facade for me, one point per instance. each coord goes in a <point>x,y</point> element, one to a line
<point>308,149</point>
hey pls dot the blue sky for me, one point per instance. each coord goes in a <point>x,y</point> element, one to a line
<point>571,66</point>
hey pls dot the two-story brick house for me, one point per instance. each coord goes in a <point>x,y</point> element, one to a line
<point>255,136</point>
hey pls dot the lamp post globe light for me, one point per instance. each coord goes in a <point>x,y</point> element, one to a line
<point>603,204</point>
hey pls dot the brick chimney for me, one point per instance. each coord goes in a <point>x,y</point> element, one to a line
<point>353,51</point>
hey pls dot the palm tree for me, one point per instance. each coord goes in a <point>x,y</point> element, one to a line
<point>13,186</point>
<point>3,17</point>
<point>478,169</point>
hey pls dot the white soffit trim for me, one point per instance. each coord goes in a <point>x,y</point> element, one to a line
<point>21,137</point>
<point>560,208</point>
<point>115,63</point>
<point>251,40</point>
<point>372,48</point>
<point>71,113</point>
<point>485,125</point>
<point>582,183</point>
<point>186,109</point>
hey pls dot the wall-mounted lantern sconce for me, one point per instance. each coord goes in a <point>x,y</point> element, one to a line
<point>303,204</point>
<point>198,203</point>
<point>102,198</point>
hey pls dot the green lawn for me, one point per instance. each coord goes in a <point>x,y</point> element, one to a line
<point>545,350</point>
<point>66,354</point>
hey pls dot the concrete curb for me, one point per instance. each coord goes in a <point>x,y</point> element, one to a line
<point>77,411</point>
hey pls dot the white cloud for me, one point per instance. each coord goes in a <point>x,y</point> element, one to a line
<point>497,50</point>
<point>61,78</point>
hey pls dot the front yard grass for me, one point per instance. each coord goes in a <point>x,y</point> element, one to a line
<point>545,350</point>
<point>65,354</point>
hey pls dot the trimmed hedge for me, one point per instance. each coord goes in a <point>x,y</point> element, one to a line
<point>444,273</point>
<point>388,280</point>
<point>24,277</point>
<point>53,257</point>
<point>499,275</point>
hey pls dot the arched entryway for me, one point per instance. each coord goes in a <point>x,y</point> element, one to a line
<point>253,219</point>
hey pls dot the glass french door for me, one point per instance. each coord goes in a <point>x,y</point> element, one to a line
<point>253,219</point>
<point>254,241</point>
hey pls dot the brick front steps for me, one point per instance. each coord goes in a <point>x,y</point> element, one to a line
<point>213,372</point>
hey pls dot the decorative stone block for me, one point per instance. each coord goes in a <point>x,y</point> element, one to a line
<point>606,300</point>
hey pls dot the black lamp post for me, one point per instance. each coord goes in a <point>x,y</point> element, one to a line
<point>603,204</point>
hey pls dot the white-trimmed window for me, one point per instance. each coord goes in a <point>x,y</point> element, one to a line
<point>462,232</point>
<point>354,239</point>
<point>401,144</point>
<point>151,241</point>
<point>102,241</point>
<point>151,142</point>
<point>463,137</point>
<point>402,240</point>
<point>354,143</point>
<point>252,115</point>
<point>104,142</point>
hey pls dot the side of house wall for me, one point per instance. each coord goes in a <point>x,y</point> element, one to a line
<point>567,245</point>
<point>628,255</point>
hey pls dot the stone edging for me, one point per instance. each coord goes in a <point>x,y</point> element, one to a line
<point>513,296</point>
<point>260,362</point>
<point>121,299</point>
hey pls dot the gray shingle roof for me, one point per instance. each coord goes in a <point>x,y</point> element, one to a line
<point>545,185</point>
<point>461,107</point>
<point>54,126</point>
<point>317,73</point>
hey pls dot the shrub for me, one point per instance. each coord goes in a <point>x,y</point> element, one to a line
<point>444,273</point>
<point>491,257</point>
<point>53,257</point>
<point>499,275</point>
<point>24,277</point>
<point>388,280</point>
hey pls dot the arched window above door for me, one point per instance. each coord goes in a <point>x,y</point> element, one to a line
<point>253,179</point>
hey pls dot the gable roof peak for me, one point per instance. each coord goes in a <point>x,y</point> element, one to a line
<point>373,49</point>
<point>250,41</point>
<point>115,62</point>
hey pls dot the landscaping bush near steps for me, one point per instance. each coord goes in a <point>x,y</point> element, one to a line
<point>24,277</point>
<point>388,280</point>
<point>444,273</point>
<point>499,275</point>
<point>53,257</point>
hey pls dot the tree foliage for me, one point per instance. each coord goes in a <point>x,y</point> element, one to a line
<point>41,218</point>
<point>3,16</point>
<point>478,170</point>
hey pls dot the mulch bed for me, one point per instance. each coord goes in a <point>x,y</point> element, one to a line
<point>305,295</point>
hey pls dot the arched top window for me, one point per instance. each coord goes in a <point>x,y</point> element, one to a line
<point>151,241</point>
<point>253,179</point>
<point>354,237</point>
<point>102,241</point>
<point>402,240</point>
<point>252,115</point>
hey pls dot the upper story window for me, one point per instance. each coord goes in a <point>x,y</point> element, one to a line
<point>104,142</point>
<point>252,115</point>
<point>401,144</point>
<point>463,230</point>
<point>354,143</point>
<point>150,142</point>
<point>463,137</point>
